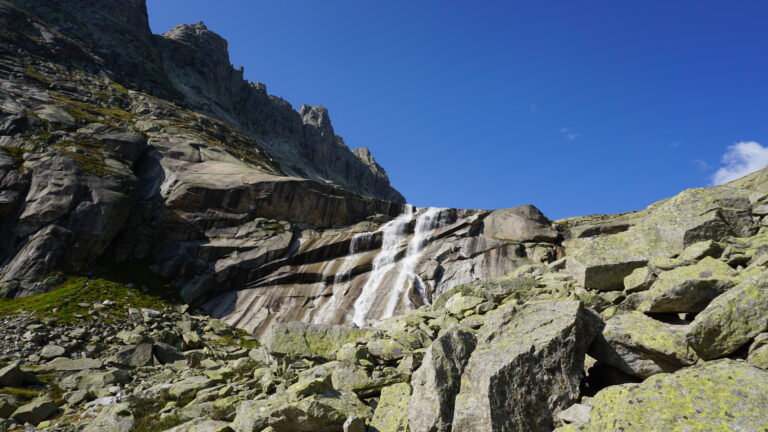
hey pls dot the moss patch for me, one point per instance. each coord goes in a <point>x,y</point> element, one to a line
<point>70,300</point>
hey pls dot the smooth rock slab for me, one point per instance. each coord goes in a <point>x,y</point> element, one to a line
<point>526,368</point>
<point>438,380</point>
<point>731,320</point>
<point>640,346</point>
<point>720,396</point>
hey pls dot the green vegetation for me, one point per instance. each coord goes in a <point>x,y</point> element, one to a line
<point>17,153</point>
<point>146,414</point>
<point>83,111</point>
<point>70,300</point>
<point>24,394</point>
<point>32,73</point>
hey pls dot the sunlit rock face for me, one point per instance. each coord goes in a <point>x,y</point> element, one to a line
<point>373,271</point>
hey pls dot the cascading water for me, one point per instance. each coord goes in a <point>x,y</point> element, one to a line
<point>393,236</point>
<point>425,224</point>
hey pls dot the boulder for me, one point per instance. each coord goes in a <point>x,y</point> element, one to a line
<point>11,375</point>
<point>165,353</point>
<point>641,346</point>
<point>299,340</point>
<point>692,216</point>
<point>114,418</point>
<point>202,425</point>
<point>731,320</point>
<point>391,414</point>
<point>63,364</point>
<point>52,351</point>
<point>8,405</point>
<point>438,380</point>
<point>134,355</point>
<point>639,280</point>
<point>35,411</point>
<point>504,386</point>
<point>724,395</point>
<point>521,224</point>
<point>758,352</point>
<point>189,387</point>
<point>688,288</point>
<point>317,413</point>
<point>386,349</point>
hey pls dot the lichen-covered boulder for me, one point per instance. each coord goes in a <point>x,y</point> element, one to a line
<point>731,320</point>
<point>295,340</point>
<point>36,411</point>
<point>391,414</point>
<point>437,381</point>
<point>642,346</point>
<point>692,216</point>
<point>114,418</point>
<point>758,352</point>
<point>526,367</point>
<point>720,396</point>
<point>688,288</point>
<point>318,413</point>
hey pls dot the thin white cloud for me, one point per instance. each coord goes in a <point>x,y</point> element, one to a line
<point>568,134</point>
<point>739,160</point>
<point>703,165</point>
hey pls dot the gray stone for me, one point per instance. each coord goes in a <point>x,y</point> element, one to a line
<point>521,224</point>
<point>11,375</point>
<point>723,395</point>
<point>52,351</point>
<point>731,320</point>
<point>165,353</point>
<point>577,413</point>
<point>34,412</point>
<point>134,355</point>
<point>504,386</point>
<point>189,387</point>
<point>641,346</point>
<point>114,418</point>
<point>296,340</point>
<point>687,288</point>
<point>438,379</point>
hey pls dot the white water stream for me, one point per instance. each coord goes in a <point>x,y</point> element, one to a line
<point>393,237</point>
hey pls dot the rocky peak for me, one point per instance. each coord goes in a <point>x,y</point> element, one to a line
<point>204,42</point>
<point>364,154</point>
<point>318,118</point>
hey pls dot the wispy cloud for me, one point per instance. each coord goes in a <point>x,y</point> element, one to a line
<point>739,160</point>
<point>569,134</point>
<point>702,165</point>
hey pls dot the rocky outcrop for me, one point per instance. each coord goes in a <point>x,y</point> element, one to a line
<point>504,387</point>
<point>695,215</point>
<point>696,398</point>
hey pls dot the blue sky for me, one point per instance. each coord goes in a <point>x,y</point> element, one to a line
<point>575,107</point>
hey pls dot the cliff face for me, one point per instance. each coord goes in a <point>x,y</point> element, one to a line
<point>120,145</point>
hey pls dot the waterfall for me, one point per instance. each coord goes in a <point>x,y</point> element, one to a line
<point>393,236</point>
<point>425,224</point>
